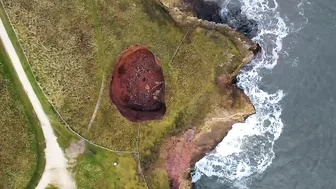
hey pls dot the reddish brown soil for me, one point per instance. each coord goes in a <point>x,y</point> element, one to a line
<point>138,86</point>
<point>178,152</point>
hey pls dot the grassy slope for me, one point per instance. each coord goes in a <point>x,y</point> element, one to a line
<point>189,79</point>
<point>57,59</point>
<point>22,143</point>
<point>69,43</point>
<point>59,39</point>
<point>94,167</point>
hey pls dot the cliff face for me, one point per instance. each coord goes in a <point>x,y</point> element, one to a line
<point>180,153</point>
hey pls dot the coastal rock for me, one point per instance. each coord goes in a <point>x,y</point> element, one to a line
<point>179,154</point>
<point>229,15</point>
<point>182,11</point>
<point>232,15</point>
<point>138,86</point>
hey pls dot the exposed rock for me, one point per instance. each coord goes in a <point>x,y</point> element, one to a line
<point>138,86</point>
<point>180,153</point>
<point>206,10</point>
<point>233,16</point>
<point>255,49</point>
<point>211,11</point>
<point>183,14</point>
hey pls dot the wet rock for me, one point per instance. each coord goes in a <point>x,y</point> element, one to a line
<point>179,154</point>
<point>206,10</point>
<point>255,49</point>
<point>138,87</point>
<point>231,15</point>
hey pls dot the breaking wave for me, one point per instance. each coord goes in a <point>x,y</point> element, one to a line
<point>247,150</point>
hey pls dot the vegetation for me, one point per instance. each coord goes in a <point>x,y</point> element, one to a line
<point>98,168</point>
<point>52,187</point>
<point>58,38</point>
<point>93,169</point>
<point>73,44</point>
<point>22,143</point>
<point>63,50</point>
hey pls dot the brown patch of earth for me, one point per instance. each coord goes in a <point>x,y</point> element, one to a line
<point>138,85</point>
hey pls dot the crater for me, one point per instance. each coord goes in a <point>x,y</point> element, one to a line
<point>138,87</point>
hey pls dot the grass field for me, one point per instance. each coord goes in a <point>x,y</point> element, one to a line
<point>19,149</point>
<point>93,169</point>
<point>68,54</point>
<point>58,38</point>
<point>96,169</point>
<point>72,44</point>
<point>22,142</point>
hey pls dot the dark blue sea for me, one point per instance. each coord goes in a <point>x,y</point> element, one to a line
<point>290,143</point>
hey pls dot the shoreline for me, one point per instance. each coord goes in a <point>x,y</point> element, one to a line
<point>197,142</point>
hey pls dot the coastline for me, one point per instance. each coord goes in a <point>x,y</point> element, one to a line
<point>215,126</point>
<point>194,143</point>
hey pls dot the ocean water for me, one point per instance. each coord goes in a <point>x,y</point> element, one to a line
<point>290,142</point>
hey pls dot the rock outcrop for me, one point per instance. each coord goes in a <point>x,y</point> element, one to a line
<point>138,86</point>
<point>210,10</point>
<point>180,153</point>
<point>181,12</point>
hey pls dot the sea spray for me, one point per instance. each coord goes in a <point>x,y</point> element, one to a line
<point>247,150</point>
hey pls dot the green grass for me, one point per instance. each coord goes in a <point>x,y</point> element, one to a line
<point>96,169</point>
<point>63,53</point>
<point>52,187</point>
<point>70,44</point>
<point>191,90</point>
<point>109,29</point>
<point>122,175</point>
<point>46,106</point>
<point>22,143</point>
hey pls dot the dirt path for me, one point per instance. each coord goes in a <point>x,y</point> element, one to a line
<point>55,172</point>
<point>100,97</point>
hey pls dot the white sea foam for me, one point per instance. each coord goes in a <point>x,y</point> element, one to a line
<point>247,150</point>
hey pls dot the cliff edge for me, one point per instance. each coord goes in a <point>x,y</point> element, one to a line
<point>73,48</point>
<point>179,153</point>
